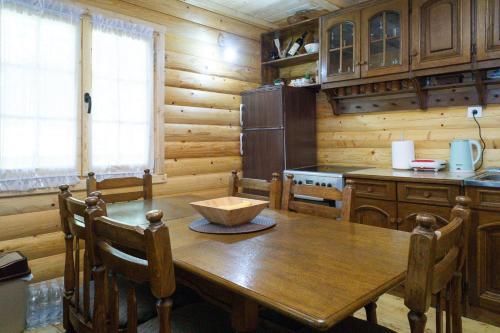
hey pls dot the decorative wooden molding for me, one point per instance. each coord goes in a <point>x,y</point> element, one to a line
<point>421,94</point>
<point>330,94</point>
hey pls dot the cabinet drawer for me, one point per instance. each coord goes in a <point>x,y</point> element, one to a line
<point>443,195</point>
<point>376,189</point>
<point>484,197</point>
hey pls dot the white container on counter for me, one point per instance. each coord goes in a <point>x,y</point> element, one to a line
<point>403,152</point>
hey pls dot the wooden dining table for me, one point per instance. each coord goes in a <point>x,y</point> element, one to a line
<point>315,270</point>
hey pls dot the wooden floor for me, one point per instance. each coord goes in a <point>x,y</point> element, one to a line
<point>391,313</point>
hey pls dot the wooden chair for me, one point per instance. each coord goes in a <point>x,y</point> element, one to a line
<point>237,186</point>
<point>289,202</point>
<point>154,266</point>
<point>146,182</point>
<point>78,295</point>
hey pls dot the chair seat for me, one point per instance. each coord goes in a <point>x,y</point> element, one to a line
<point>353,325</point>
<point>194,318</point>
<point>146,302</point>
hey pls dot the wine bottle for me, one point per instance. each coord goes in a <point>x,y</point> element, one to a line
<point>297,45</point>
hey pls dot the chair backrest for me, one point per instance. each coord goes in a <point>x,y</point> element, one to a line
<point>290,202</point>
<point>238,185</point>
<point>436,257</point>
<point>146,182</point>
<point>73,225</point>
<point>108,238</point>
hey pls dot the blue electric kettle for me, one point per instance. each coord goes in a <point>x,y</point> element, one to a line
<point>461,156</point>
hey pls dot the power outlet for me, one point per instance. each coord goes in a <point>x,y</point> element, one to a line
<point>471,109</point>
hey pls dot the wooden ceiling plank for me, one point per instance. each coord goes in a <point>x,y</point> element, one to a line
<point>230,12</point>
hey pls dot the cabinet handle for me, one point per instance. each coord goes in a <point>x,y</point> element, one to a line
<point>241,144</point>
<point>395,220</point>
<point>242,106</point>
<point>369,189</point>
<point>363,62</point>
<point>414,54</point>
<point>427,194</point>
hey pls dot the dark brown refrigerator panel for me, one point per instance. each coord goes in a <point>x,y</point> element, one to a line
<point>300,127</point>
<point>263,152</point>
<point>262,108</point>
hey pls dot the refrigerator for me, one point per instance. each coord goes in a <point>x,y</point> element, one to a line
<point>278,130</point>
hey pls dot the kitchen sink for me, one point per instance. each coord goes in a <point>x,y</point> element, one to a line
<point>488,178</point>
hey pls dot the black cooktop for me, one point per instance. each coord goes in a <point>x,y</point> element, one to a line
<point>329,169</point>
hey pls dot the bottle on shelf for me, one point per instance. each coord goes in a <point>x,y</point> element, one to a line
<point>297,45</point>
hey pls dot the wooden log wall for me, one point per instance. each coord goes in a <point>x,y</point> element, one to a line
<point>365,139</point>
<point>202,97</point>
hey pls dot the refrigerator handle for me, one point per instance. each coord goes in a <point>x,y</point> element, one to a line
<point>241,144</point>
<point>242,106</point>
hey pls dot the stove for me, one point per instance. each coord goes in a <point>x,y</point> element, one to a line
<point>321,175</point>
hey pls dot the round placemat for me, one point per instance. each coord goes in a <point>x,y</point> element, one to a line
<point>257,224</point>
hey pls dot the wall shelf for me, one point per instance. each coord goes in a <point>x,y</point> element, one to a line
<point>292,61</point>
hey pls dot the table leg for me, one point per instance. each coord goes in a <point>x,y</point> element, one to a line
<point>245,315</point>
<point>371,312</point>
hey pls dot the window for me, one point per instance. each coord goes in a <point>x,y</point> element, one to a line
<point>48,63</point>
<point>39,76</point>
<point>122,88</point>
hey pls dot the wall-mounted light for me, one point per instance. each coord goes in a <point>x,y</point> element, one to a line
<point>229,54</point>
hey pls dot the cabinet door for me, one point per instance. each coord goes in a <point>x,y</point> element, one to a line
<point>378,213</point>
<point>262,108</point>
<point>407,214</point>
<point>488,29</point>
<point>263,153</point>
<point>488,265</point>
<point>384,38</point>
<point>340,47</point>
<point>441,31</point>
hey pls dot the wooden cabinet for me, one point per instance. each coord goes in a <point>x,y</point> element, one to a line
<point>377,213</point>
<point>384,38</point>
<point>340,52</point>
<point>484,246</point>
<point>488,266</point>
<point>488,29</point>
<point>441,33</point>
<point>395,204</point>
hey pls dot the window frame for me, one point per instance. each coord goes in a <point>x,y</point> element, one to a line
<point>85,71</point>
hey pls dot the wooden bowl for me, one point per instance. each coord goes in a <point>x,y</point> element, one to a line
<point>230,211</point>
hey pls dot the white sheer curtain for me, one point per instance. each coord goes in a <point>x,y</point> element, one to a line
<point>39,75</point>
<point>122,98</point>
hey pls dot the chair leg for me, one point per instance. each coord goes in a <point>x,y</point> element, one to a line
<point>417,321</point>
<point>164,308</point>
<point>371,312</point>
<point>439,312</point>
<point>448,310</point>
<point>456,307</point>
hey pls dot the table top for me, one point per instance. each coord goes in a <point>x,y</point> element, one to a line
<point>316,270</point>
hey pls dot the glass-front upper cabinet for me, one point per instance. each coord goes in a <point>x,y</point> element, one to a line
<point>340,47</point>
<point>385,38</point>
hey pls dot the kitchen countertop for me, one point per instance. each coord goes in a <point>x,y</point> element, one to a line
<point>441,177</point>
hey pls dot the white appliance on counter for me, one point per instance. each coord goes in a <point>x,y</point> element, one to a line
<point>321,175</point>
<point>403,152</point>
<point>428,165</point>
